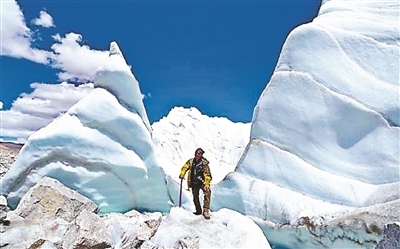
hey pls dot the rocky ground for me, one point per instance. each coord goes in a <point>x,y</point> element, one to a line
<point>69,230</point>
<point>50,215</point>
<point>53,216</point>
<point>8,154</point>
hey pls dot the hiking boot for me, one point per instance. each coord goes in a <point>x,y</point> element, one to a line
<point>206,214</point>
<point>197,212</point>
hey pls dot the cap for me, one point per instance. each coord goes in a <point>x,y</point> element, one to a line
<point>199,150</point>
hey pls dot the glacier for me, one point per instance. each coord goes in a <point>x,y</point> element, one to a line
<point>325,132</point>
<point>317,167</point>
<point>101,147</point>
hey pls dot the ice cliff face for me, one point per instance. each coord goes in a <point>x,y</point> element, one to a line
<point>325,131</point>
<point>101,147</point>
<point>117,78</point>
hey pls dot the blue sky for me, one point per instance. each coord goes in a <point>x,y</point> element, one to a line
<point>214,55</point>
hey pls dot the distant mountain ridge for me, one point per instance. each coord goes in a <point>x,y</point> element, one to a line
<point>13,146</point>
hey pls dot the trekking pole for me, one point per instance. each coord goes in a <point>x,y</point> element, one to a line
<point>180,194</point>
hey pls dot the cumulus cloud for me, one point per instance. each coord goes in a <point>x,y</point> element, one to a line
<point>32,111</point>
<point>76,61</point>
<point>19,126</point>
<point>16,37</point>
<point>44,20</point>
<point>1,105</point>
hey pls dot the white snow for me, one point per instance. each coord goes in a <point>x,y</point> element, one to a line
<point>225,229</point>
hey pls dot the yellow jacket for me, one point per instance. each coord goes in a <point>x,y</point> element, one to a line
<point>206,171</point>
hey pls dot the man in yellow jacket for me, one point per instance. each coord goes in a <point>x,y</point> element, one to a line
<point>199,177</point>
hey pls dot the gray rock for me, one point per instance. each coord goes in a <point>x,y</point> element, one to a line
<point>50,199</point>
<point>189,243</point>
<point>87,231</point>
<point>41,243</point>
<point>132,213</point>
<point>133,229</point>
<point>391,237</point>
<point>3,212</point>
<point>51,215</point>
<point>3,200</point>
<point>3,208</point>
<point>148,225</point>
<point>38,233</point>
<point>124,229</point>
<point>148,245</point>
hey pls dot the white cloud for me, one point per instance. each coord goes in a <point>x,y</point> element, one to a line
<point>16,37</point>
<point>76,61</point>
<point>1,105</point>
<point>45,20</point>
<point>19,125</point>
<point>32,111</point>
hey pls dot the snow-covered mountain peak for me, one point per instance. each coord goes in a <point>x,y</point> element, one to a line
<point>178,113</point>
<point>177,136</point>
<point>194,112</point>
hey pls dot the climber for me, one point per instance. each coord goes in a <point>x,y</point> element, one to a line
<point>199,177</point>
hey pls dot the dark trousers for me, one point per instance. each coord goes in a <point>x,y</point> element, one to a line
<point>196,199</point>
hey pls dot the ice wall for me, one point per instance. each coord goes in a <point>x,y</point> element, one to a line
<point>101,147</point>
<point>325,131</point>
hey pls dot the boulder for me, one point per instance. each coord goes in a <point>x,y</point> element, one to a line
<point>133,229</point>
<point>148,245</point>
<point>189,243</point>
<point>87,231</point>
<point>50,199</point>
<point>3,208</point>
<point>391,237</point>
<point>38,233</point>
<point>51,215</point>
<point>3,201</point>
<point>148,225</point>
